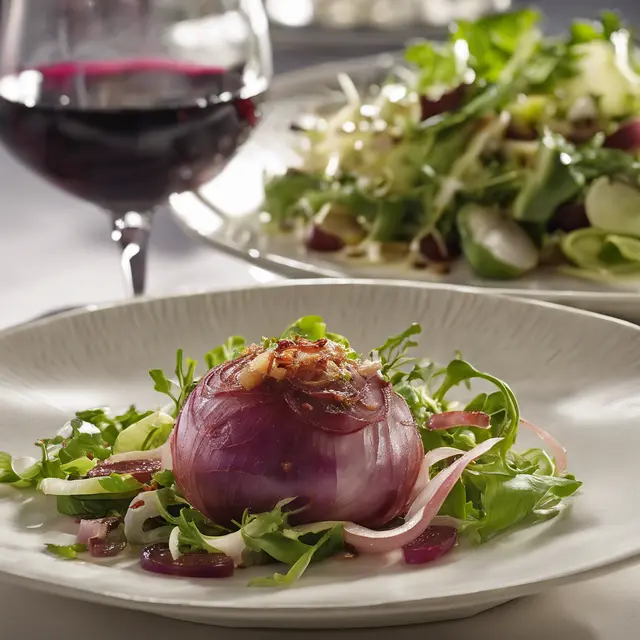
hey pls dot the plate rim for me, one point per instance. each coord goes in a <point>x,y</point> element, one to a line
<point>391,611</point>
<point>281,87</point>
<point>320,281</point>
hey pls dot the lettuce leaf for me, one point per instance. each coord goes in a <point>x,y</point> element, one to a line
<point>510,500</point>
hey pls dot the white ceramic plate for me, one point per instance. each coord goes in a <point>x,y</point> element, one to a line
<point>575,373</point>
<point>224,212</point>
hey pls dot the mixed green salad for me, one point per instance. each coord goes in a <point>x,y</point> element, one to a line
<point>293,450</point>
<point>508,148</point>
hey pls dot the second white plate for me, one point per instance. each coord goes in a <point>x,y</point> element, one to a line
<point>224,213</point>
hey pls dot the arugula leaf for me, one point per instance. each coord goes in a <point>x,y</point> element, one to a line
<point>393,353</point>
<point>260,536</point>
<point>541,462</point>
<point>49,466</point>
<point>230,349</point>
<point>85,439</point>
<point>494,40</point>
<point>441,66</point>
<point>282,194</point>
<point>550,183</point>
<point>493,96</point>
<point>511,500</point>
<point>98,506</point>
<point>189,521</point>
<point>455,504</point>
<point>594,161</point>
<point>314,328</point>
<point>164,478</point>
<point>309,327</point>
<point>111,427</point>
<point>459,371</point>
<point>68,552</point>
<point>582,31</point>
<point>185,376</point>
<point>331,541</point>
<point>162,383</point>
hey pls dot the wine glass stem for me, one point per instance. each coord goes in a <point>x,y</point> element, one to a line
<point>131,232</point>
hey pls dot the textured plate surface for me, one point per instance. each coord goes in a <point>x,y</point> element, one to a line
<point>224,212</point>
<point>575,373</point>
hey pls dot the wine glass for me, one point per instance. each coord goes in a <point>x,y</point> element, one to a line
<point>125,102</point>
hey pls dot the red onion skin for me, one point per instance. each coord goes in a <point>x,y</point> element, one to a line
<point>434,543</point>
<point>141,470</point>
<point>235,449</point>
<point>157,559</point>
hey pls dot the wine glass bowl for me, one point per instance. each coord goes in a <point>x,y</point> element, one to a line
<point>125,102</point>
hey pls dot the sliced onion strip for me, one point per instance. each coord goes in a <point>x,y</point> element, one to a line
<point>430,500</point>
<point>434,456</point>
<point>144,507</point>
<point>558,451</point>
<point>451,419</point>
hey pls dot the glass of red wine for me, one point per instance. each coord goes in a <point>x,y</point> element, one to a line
<point>125,102</point>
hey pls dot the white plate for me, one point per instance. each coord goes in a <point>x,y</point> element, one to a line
<point>224,211</point>
<point>575,373</point>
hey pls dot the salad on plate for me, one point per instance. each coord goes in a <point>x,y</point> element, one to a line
<point>500,147</point>
<point>294,450</point>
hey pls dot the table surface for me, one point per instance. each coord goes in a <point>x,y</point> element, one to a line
<point>54,251</point>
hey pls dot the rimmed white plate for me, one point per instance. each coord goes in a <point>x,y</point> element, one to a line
<point>224,212</point>
<point>575,373</point>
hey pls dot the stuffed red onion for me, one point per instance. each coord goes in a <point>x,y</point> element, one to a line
<point>299,418</point>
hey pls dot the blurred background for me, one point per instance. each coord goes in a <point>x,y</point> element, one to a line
<point>54,247</point>
<point>310,31</point>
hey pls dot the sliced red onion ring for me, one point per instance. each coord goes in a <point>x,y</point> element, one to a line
<point>141,470</point>
<point>435,542</point>
<point>558,452</point>
<point>99,528</point>
<point>450,419</point>
<point>157,559</point>
<point>428,504</point>
<point>434,456</point>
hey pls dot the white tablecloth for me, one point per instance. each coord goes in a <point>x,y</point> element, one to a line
<point>55,251</point>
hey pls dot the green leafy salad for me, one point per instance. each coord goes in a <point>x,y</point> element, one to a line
<point>509,149</point>
<point>293,450</point>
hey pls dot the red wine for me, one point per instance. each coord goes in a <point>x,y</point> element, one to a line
<point>126,134</point>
